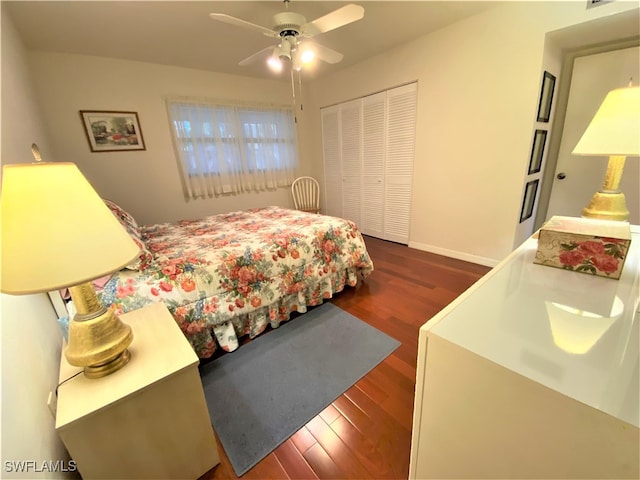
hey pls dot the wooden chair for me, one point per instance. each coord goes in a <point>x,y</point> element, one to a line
<point>306,194</point>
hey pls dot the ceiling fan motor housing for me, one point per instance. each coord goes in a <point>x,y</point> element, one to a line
<point>285,48</point>
<point>288,23</point>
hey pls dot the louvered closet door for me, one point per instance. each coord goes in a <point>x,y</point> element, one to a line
<point>373,151</point>
<point>351,154</point>
<point>400,148</point>
<point>370,142</point>
<point>332,162</point>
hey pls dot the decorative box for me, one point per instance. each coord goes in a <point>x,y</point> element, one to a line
<point>592,246</point>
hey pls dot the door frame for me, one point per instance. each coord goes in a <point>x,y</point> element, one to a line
<point>557,129</point>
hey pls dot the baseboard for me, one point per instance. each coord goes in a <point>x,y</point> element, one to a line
<point>487,262</point>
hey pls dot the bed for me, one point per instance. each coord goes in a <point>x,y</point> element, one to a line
<point>234,274</point>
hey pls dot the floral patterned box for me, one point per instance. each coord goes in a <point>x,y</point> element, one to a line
<point>592,246</point>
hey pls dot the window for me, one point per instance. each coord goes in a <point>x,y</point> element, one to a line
<point>232,149</point>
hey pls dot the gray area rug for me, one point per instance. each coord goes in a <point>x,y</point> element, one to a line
<point>261,394</point>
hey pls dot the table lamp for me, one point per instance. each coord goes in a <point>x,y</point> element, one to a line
<point>613,132</point>
<point>57,233</point>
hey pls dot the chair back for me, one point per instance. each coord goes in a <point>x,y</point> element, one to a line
<point>306,194</point>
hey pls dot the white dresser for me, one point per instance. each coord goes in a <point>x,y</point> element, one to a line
<point>532,373</point>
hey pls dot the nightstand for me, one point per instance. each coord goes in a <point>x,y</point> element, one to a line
<point>148,419</point>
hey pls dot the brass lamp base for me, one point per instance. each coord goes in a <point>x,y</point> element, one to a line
<point>97,371</point>
<point>98,339</point>
<point>607,206</point>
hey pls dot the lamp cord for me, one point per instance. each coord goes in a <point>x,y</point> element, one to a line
<point>65,381</point>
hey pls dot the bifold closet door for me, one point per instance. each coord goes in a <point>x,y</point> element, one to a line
<point>374,113</point>
<point>399,154</point>
<point>342,151</point>
<point>368,148</point>
<point>332,161</point>
<point>351,153</point>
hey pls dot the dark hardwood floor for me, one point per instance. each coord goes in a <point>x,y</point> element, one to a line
<point>366,432</point>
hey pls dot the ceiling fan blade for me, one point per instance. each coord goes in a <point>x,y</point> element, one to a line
<point>221,17</point>
<point>321,52</point>
<point>328,55</point>
<point>332,20</point>
<point>255,56</point>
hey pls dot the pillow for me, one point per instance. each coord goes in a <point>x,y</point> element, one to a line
<point>126,220</point>
<point>133,229</point>
<point>145,257</point>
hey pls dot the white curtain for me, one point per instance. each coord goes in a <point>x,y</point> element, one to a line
<point>228,149</point>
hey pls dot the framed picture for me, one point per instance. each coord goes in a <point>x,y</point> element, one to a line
<point>109,131</point>
<point>529,200</point>
<point>546,97</point>
<point>537,151</point>
<point>595,3</point>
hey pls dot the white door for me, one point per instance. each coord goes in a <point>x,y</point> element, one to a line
<point>373,149</point>
<point>400,147</point>
<point>351,153</point>
<point>332,161</point>
<point>578,177</point>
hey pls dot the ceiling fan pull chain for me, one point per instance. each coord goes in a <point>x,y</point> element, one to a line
<point>293,93</point>
<point>300,89</point>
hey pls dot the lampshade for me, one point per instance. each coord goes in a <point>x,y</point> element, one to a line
<point>615,128</point>
<point>614,131</point>
<point>56,230</point>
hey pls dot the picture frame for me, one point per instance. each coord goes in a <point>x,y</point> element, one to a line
<point>546,97</point>
<point>595,3</point>
<point>537,151</point>
<point>112,131</point>
<point>529,199</point>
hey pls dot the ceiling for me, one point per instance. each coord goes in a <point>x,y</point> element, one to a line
<point>181,33</point>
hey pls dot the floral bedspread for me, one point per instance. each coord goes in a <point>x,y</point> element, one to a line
<point>233,274</point>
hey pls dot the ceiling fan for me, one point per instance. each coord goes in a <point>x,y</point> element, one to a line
<point>289,28</point>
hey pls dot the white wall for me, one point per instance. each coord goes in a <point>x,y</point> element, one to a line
<point>29,334</point>
<point>552,63</point>
<point>478,86</point>
<point>147,183</point>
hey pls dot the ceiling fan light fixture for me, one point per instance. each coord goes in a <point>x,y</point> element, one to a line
<point>274,62</point>
<point>307,56</point>
<point>284,50</point>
